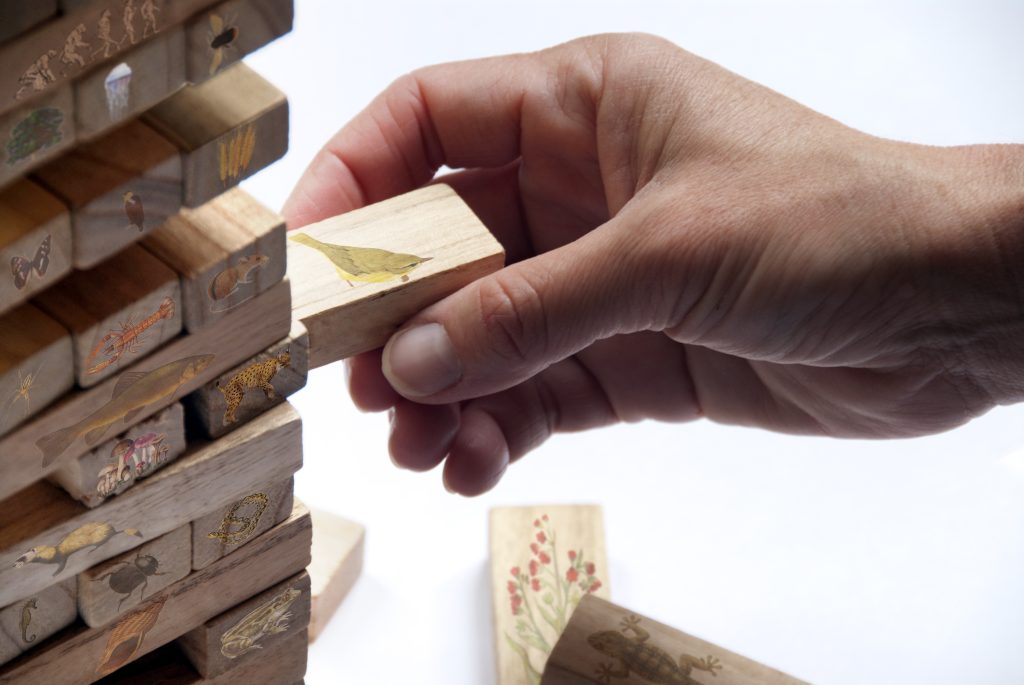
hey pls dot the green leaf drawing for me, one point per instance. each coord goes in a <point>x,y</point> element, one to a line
<point>532,674</point>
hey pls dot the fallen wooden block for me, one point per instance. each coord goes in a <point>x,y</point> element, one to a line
<point>117,312</point>
<point>83,655</point>
<point>119,187</point>
<point>36,132</point>
<point>35,364</point>
<point>226,252</point>
<point>338,550</point>
<point>26,624</point>
<point>18,16</point>
<point>253,386</point>
<point>358,276</point>
<point>45,536</point>
<point>227,128</point>
<point>116,465</point>
<point>83,419</point>
<point>605,643</point>
<point>244,518</point>
<point>544,560</point>
<point>225,33</point>
<point>116,586</point>
<point>239,634</point>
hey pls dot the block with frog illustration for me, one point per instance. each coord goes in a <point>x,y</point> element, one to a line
<point>338,549</point>
<point>228,31</point>
<point>27,623</point>
<point>36,132</point>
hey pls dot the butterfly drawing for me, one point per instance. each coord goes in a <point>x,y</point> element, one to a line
<point>22,268</point>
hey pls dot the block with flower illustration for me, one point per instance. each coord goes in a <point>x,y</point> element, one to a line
<point>544,560</point>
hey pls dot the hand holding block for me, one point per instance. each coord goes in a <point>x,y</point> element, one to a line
<point>604,643</point>
<point>358,276</point>
<point>26,624</point>
<point>338,547</point>
<point>225,33</point>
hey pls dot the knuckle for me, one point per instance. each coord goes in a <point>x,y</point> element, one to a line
<point>512,317</point>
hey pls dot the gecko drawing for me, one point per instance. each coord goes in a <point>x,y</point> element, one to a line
<point>366,264</point>
<point>225,284</point>
<point>26,620</point>
<point>648,662</point>
<point>256,376</point>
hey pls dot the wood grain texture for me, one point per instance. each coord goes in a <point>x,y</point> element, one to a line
<point>116,586</point>
<point>35,361</point>
<point>18,16</point>
<point>544,559</point>
<point>225,33</point>
<point>242,519</point>
<point>82,419</point>
<point>34,133</point>
<point>118,312</point>
<point>439,246</point>
<point>242,633</point>
<point>119,188</point>
<point>226,252</point>
<point>116,465</point>
<point>45,536</point>
<point>83,655</point>
<point>227,128</point>
<point>26,624</point>
<point>338,550</point>
<point>605,639</point>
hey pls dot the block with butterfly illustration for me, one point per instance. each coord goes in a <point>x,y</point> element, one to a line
<point>223,34</point>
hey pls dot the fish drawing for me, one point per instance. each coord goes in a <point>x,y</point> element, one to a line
<point>22,268</point>
<point>26,620</point>
<point>133,392</point>
<point>92,535</point>
<point>269,619</point>
<point>225,284</point>
<point>366,264</point>
<point>126,638</point>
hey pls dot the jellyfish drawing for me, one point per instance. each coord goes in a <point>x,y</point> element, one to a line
<point>119,88</point>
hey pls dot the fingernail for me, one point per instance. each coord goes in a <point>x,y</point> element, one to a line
<point>421,361</point>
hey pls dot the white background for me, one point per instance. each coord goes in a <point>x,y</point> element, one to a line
<point>839,562</point>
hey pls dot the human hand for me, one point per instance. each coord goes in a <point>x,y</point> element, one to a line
<point>683,243</point>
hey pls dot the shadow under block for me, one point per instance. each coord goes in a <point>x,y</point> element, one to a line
<point>242,633</point>
<point>85,418</point>
<point>26,624</point>
<point>35,242</point>
<point>117,312</point>
<point>226,252</point>
<point>544,559</point>
<point>83,655</point>
<point>607,643</point>
<point>244,518</point>
<point>35,364</point>
<point>34,133</point>
<point>45,536</point>
<point>358,276</point>
<point>119,187</point>
<point>115,466</point>
<point>225,33</point>
<point>227,129</point>
<point>338,551</point>
<point>17,16</point>
<point>115,587</point>
<point>253,386</point>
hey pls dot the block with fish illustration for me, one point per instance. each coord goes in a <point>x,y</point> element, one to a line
<point>227,32</point>
<point>18,16</point>
<point>253,386</point>
<point>35,364</point>
<point>119,463</point>
<point>338,547</point>
<point>244,632</point>
<point>227,128</point>
<point>226,252</point>
<point>367,271</point>
<point>240,520</point>
<point>119,187</point>
<point>45,536</point>
<point>111,589</point>
<point>119,311</point>
<point>36,132</point>
<point>84,655</point>
<point>84,419</point>
<point>26,624</point>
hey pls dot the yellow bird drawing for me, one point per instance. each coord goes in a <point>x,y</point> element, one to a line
<point>366,264</point>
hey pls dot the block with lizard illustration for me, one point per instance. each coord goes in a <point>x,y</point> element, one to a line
<point>227,32</point>
<point>18,16</point>
<point>119,311</point>
<point>34,133</point>
<point>338,549</point>
<point>26,624</point>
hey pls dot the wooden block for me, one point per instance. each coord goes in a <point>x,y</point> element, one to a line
<point>543,561</point>
<point>17,16</point>
<point>35,364</point>
<point>244,518</point>
<point>83,419</point>
<point>26,624</point>
<point>115,587</point>
<point>83,655</point>
<point>606,643</point>
<point>45,536</point>
<point>123,89</point>
<point>227,32</point>
<point>238,635</point>
<point>226,252</point>
<point>119,311</point>
<point>338,550</point>
<point>252,387</point>
<point>35,242</point>
<point>36,132</point>
<point>357,277</point>
<point>119,187</point>
<point>228,128</point>
<point>116,465</point>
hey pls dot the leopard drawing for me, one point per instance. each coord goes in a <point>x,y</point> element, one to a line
<point>256,376</point>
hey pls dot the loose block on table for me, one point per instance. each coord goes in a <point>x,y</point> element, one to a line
<point>338,551</point>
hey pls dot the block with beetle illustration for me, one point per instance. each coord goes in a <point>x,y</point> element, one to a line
<point>227,32</point>
<point>26,624</point>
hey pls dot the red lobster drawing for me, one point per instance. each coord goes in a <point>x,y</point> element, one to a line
<point>114,344</point>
